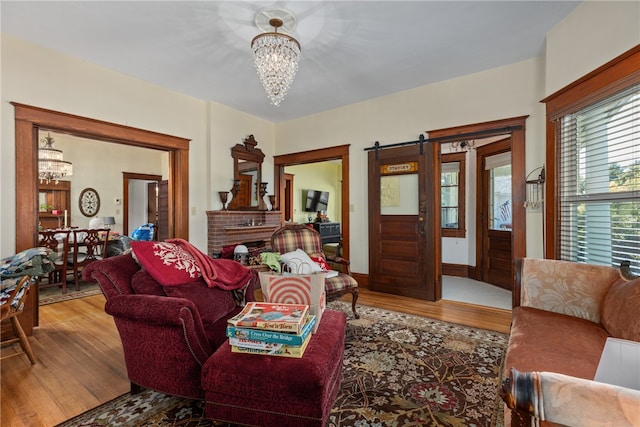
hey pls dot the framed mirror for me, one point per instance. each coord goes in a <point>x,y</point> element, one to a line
<point>247,173</point>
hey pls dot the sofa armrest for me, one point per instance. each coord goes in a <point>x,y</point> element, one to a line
<point>564,287</point>
<point>570,401</point>
<point>161,311</point>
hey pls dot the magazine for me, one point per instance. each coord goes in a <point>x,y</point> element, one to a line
<point>271,316</point>
<point>263,336</point>
<point>282,350</point>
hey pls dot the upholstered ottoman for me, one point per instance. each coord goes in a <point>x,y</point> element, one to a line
<point>259,390</point>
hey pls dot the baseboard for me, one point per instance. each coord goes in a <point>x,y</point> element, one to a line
<point>362,279</point>
<point>457,270</point>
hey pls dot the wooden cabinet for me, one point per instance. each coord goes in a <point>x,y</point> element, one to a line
<point>329,231</point>
<point>52,196</point>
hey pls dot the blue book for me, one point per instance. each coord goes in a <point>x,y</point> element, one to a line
<point>263,335</point>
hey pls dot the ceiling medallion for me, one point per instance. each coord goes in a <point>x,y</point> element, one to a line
<point>276,55</point>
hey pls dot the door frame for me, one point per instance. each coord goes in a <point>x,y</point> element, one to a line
<point>482,215</point>
<point>126,177</point>
<point>518,169</point>
<point>29,120</point>
<point>339,152</point>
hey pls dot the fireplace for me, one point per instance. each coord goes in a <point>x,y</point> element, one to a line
<point>240,227</point>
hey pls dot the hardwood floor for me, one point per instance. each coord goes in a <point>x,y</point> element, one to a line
<point>80,363</point>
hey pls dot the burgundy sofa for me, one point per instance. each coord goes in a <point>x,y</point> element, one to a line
<point>168,333</point>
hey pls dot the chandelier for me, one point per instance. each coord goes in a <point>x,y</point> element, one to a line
<point>50,163</point>
<point>276,57</point>
<point>463,145</point>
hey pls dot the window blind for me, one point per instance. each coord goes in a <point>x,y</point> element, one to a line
<point>599,181</point>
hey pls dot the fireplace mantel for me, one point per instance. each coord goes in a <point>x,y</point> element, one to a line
<point>239,227</point>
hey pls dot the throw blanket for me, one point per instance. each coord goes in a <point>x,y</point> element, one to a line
<point>222,273</point>
<point>34,262</point>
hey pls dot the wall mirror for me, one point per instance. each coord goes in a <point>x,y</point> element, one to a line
<point>247,173</point>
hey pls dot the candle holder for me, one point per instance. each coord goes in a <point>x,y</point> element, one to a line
<point>272,200</point>
<point>262,206</point>
<point>235,190</point>
<point>224,195</point>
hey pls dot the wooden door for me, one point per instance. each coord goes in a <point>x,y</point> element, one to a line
<point>163,210</point>
<point>495,199</point>
<point>404,222</point>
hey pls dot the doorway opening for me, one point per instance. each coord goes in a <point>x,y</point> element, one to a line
<point>284,191</point>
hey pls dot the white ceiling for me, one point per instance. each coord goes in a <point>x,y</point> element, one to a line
<point>351,50</point>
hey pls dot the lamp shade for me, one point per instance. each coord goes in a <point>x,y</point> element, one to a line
<point>108,220</point>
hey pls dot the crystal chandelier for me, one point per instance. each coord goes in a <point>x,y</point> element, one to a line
<point>50,163</point>
<point>276,57</point>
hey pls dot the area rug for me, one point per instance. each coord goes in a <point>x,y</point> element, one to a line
<point>53,295</point>
<point>399,370</point>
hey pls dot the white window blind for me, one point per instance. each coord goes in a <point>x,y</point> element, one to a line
<point>599,178</point>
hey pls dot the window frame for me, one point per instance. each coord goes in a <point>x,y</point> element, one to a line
<point>617,74</point>
<point>460,231</point>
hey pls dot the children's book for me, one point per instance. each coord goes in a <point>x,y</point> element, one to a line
<point>271,316</point>
<point>282,351</point>
<point>263,336</point>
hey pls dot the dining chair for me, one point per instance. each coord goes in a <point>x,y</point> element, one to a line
<point>89,245</point>
<point>58,242</point>
<point>11,309</point>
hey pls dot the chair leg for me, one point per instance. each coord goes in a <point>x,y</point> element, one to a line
<point>24,341</point>
<point>75,276</point>
<point>354,294</point>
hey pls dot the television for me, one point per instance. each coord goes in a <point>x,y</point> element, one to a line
<point>316,201</point>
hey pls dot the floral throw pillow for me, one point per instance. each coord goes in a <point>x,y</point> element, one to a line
<point>167,263</point>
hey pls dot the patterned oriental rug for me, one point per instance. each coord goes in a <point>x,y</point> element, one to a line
<point>399,370</point>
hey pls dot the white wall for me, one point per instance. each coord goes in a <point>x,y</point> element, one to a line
<point>593,34</point>
<point>504,92</point>
<point>44,78</point>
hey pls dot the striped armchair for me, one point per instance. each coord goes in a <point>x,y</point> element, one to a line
<point>293,236</point>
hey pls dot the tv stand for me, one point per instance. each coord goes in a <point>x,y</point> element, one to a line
<point>329,231</point>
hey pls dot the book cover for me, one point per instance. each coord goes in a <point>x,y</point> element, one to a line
<point>282,351</point>
<point>271,316</point>
<point>264,336</point>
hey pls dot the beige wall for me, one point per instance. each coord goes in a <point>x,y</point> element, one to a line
<point>40,77</point>
<point>322,176</point>
<point>509,91</point>
<point>591,35</point>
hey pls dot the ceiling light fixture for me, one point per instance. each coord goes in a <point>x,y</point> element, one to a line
<point>276,56</point>
<point>463,145</point>
<point>50,163</point>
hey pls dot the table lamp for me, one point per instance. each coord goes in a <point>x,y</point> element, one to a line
<point>108,221</point>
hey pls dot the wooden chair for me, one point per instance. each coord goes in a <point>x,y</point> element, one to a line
<point>89,245</point>
<point>57,241</point>
<point>293,236</point>
<point>10,310</point>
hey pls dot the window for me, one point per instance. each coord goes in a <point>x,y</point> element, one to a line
<point>599,181</point>
<point>592,196</point>
<point>453,198</point>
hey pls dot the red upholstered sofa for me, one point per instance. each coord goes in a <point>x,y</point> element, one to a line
<point>167,333</point>
<point>563,314</point>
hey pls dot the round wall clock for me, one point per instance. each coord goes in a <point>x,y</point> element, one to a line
<point>89,202</point>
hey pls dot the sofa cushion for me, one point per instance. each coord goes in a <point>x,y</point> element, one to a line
<point>213,303</point>
<point>620,310</point>
<point>545,341</point>
<point>167,262</point>
<point>143,283</point>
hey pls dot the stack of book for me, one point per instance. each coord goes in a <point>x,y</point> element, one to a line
<point>271,328</point>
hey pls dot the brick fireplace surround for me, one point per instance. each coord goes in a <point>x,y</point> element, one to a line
<point>240,227</point>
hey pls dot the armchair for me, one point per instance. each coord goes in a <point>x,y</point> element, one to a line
<point>166,334</point>
<point>299,236</point>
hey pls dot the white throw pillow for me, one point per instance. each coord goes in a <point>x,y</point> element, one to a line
<point>299,262</point>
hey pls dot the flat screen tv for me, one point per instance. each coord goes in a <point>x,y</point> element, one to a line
<point>316,201</point>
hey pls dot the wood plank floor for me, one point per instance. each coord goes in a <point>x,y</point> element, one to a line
<point>80,363</point>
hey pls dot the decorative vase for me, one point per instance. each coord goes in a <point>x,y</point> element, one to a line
<point>224,195</point>
<point>272,200</point>
<point>262,206</point>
